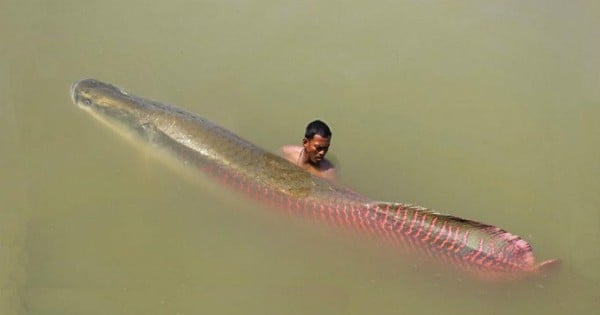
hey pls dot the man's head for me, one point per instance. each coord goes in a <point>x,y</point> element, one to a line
<point>316,141</point>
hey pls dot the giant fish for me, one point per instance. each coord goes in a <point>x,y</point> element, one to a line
<point>478,248</point>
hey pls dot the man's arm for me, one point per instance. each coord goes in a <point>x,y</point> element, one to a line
<point>327,170</point>
<point>329,174</point>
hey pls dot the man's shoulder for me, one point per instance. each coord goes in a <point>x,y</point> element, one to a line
<point>326,165</point>
<point>290,149</point>
<point>290,152</point>
<point>327,170</point>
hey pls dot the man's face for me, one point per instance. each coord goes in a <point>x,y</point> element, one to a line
<point>316,148</point>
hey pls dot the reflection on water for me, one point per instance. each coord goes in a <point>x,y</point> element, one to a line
<point>485,111</point>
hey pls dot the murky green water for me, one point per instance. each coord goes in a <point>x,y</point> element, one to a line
<point>484,110</point>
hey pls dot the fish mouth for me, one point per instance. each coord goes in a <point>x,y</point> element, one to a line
<point>74,92</point>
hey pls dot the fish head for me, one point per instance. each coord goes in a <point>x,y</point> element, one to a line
<point>108,103</point>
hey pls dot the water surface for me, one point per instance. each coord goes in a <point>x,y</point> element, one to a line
<point>486,111</point>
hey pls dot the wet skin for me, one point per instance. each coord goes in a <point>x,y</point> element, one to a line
<point>311,156</point>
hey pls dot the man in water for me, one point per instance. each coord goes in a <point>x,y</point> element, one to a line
<point>311,155</point>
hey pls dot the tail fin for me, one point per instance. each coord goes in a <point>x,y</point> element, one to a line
<point>547,266</point>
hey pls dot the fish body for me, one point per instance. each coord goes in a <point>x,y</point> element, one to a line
<point>482,249</point>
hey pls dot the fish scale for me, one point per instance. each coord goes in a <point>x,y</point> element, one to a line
<point>482,249</point>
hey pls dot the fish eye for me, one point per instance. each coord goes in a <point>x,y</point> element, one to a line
<point>86,101</point>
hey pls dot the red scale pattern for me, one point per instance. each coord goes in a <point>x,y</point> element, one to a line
<point>412,228</point>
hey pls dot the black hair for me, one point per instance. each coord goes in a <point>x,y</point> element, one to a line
<point>317,127</point>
